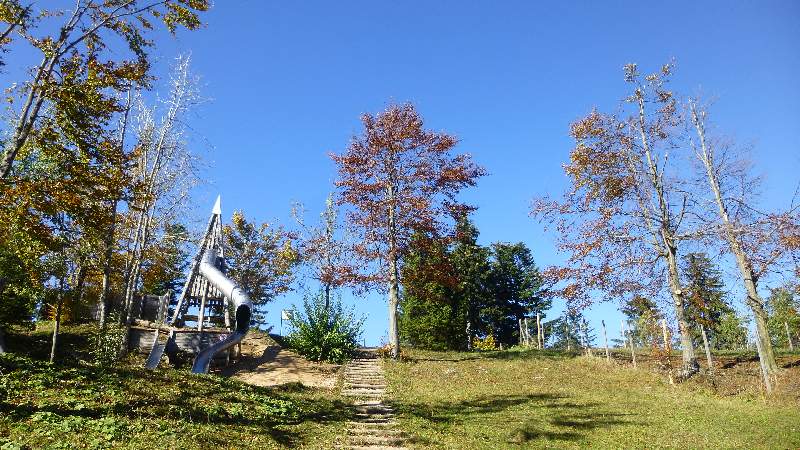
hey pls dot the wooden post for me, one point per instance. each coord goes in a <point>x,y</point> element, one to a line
<point>622,332</point>
<point>788,336</point>
<point>667,349</point>
<point>633,349</point>
<point>538,331</point>
<point>544,338</point>
<point>201,315</point>
<point>708,349</point>
<point>605,341</point>
<point>469,336</point>
<point>527,334</point>
<point>586,338</point>
<point>566,328</point>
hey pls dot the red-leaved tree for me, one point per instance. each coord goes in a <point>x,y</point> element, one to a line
<point>397,178</point>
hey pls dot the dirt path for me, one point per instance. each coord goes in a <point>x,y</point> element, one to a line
<point>375,427</point>
<point>265,363</point>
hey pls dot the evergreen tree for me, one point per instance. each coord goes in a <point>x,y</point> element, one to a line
<point>515,287</point>
<point>783,307</point>
<point>471,264</point>
<point>566,331</point>
<point>430,312</point>
<point>166,271</point>
<point>642,318</point>
<point>705,295</point>
<point>730,333</point>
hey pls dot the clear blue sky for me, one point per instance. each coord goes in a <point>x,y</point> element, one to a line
<point>288,81</point>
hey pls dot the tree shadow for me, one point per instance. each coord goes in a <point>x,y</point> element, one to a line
<point>739,360</point>
<point>566,420</point>
<point>493,355</point>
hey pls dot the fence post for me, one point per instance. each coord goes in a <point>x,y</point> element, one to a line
<point>667,349</point>
<point>566,330</point>
<point>708,349</point>
<point>538,331</point>
<point>622,332</point>
<point>586,338</point>
<point>633,349</point>
<point>527,334</point>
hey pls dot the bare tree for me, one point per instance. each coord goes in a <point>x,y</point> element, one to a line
<point>165,172</point>
<point>757,240</point>
<point>327,249</point>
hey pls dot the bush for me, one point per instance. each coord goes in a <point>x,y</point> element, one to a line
<point>108,343</point>
<point>486,343</point>
<point>325,334</point>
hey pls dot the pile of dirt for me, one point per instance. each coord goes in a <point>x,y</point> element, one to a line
<point>264,362</point>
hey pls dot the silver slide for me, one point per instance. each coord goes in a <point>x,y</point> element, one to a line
<point>241,302</point>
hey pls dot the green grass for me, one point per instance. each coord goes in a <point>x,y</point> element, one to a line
<point>544,399</point>
<point>75,405</point>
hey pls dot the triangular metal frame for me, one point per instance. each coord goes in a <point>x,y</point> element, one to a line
<point>195,283</point>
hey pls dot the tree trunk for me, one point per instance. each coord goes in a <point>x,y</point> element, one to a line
<point>394,275</point>
<point>785,325</point>
<point>394,302</point>
<point>605,340</point>
<point>764,371</point>
<point>690,365</point>
<point>749,279</point>
<point>57,321</point>
<point>108,253</point>
<point>2,341</point>
<point>708,349</point>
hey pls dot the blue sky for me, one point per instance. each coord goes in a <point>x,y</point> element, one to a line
<point>287,82</point>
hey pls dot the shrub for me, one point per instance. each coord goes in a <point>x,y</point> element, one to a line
<point>108,343</point>
<point>325,334</point>
<point>486,343</point>
<point>385,351</point>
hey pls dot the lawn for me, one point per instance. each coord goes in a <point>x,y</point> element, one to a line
<point>76,405</point>
<point>541,399</point>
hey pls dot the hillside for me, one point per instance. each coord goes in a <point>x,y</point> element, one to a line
<point>75,405</point>
<point>550,400</point>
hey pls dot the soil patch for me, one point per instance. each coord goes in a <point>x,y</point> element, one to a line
<point>265,363</point>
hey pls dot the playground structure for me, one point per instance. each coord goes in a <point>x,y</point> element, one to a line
<point>222,316</point>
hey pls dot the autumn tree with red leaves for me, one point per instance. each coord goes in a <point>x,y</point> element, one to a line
<point>399,178</point>
<point>621,221</point>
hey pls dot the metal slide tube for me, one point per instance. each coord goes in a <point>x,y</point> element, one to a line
<point>241,302</point>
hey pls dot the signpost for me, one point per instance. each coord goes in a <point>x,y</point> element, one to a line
<point>287,315</point>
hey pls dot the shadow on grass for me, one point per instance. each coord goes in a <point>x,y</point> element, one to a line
<point>491,355</point>
<point>563,420</point>
<point>63,392</point>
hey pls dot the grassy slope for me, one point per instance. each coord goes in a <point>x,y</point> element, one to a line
<point>529,399</point>
<point>75,405</point>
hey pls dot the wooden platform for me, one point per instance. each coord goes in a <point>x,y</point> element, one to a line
<point>186,339</point>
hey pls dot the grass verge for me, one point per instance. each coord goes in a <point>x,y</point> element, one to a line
<point>542,399</point>
<point>76,405</point>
